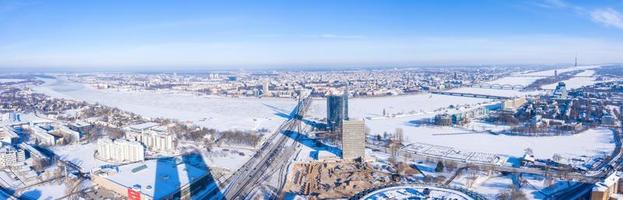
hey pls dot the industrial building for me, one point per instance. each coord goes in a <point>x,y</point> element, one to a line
<point>353,139</point>
<point>164,178</point>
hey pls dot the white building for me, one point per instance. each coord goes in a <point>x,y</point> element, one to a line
<point>8,135</point>
<point>353,139</point>
<point>154,138</point>
<point>561,91</point>
<point>41,135</point>
<point>120,150</point>
<point>75,135</point>
<point>9,155</point>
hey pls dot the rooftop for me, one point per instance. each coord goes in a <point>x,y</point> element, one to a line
<point>158,177</point>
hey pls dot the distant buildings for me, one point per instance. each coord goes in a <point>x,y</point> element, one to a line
<point>52,134</point>
<point>337,110</point>
<point>120,150</point>
<point>443,120</point>
<point>353,139</point>
<point>266,89</point>
<point>460,117</point>
<point>513,104</point>
<point>561,91</point>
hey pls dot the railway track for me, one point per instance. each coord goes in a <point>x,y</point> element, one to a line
<point>273,158</point>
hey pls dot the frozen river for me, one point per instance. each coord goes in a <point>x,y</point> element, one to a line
<point>222,113</point>
<point>253,113</point>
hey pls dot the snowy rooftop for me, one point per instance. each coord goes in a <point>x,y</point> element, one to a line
<point>416,192</point>
<point>456,154</point>
<point>157,177</point>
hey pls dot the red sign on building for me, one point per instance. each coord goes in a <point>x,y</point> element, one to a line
<point>133,194</point>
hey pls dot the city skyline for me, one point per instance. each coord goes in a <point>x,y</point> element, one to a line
<point>250,35</point>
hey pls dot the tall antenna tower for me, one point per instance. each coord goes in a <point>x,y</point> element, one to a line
<point>576,61</point>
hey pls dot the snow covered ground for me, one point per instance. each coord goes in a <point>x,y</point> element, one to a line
<point>45,191</point>
<point>8,80</point>
<point>590,143</point>
<point>406,112</point>
<point>496,92</point>
<point>81,155</point>
<point>223,113</point>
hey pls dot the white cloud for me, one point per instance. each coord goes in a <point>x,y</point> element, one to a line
<point>608,17</point>
<point>605,16</point>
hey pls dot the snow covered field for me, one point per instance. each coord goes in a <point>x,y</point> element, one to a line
<point>408,105</point>
<point>8,80</point>
<point>223,113</point>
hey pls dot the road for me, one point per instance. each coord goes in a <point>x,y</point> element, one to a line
<point>269,162</point>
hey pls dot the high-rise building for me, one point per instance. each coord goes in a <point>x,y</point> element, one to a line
<point>353,139</point>
<point>561,91</point>
<point>155,139</point>
<point>266,89</point>
<point>120,150</point>
<point>10,155</point>
<point>337,110</point>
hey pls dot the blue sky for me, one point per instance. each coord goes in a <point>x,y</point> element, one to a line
<point>264,34</point>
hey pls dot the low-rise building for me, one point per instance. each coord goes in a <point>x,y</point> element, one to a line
<point>9,135</point>
<point>165,178</point>
<point>607,188</point>
<point>41,136</point>
<point>66,131</point>
<point>443,120</point>
<point>513,104</point>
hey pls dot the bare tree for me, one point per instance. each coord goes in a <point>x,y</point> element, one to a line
<point>40,164</point>
<point>399,137</point>
<point>556,157</point>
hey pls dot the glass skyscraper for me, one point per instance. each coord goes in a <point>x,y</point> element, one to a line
<point>337,110</point>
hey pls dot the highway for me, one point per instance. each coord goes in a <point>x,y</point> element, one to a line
<point>270,161</point>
